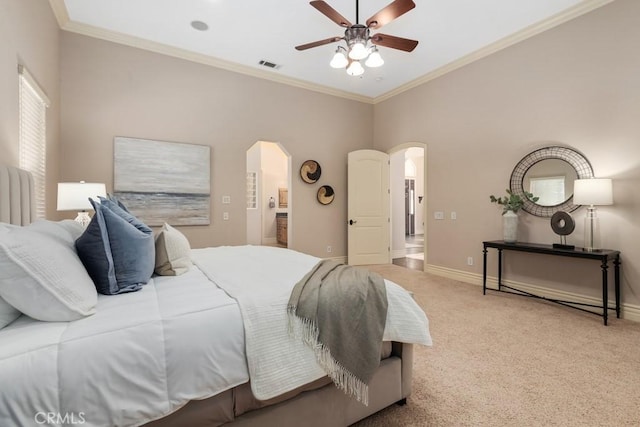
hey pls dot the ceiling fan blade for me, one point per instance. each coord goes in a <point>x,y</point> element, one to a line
<point>318,43</point>
<point>330,13</point>
<point>394,42</point>
<point>389,13</point>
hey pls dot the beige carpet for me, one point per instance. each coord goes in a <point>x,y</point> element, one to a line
<point>504,360</point>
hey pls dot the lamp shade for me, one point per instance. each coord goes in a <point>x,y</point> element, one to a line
<point>358,51</point>
<point>74,196</point>
<point>374,60</point>
<point>339,60</point>
<point>355,69</point>
<point>594,191</point>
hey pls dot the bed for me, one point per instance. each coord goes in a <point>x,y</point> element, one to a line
<point>181,350</point>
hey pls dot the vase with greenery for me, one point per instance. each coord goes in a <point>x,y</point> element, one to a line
<point>511,204</point>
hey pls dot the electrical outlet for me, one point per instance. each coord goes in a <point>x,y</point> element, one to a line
<point>438,215</point>
<point>328,249</point>
<point>225,216</point>
<point>469,260</point>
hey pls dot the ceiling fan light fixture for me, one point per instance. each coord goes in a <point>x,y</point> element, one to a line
<point>374,60</point>
<point>362,47</point>
<point>355,69</point>
<point>339,59</point>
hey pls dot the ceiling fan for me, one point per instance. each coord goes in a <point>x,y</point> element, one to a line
<point>357,36</point>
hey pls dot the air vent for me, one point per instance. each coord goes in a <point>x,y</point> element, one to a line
<point>269,64</point>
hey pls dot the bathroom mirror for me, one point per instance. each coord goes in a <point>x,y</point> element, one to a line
<point>549,173</point>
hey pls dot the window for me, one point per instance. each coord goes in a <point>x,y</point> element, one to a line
<point>33,134</point>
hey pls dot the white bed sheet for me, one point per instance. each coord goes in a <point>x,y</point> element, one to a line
<point>187,337</point>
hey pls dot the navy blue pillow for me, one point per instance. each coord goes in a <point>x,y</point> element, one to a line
<point>117,249</point>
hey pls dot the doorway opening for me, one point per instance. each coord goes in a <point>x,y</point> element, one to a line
<point>268,195</point>
<point>408,205</point>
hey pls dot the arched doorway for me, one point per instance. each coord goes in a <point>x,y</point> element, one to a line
<point>268,195</point>
<point>408,176</point>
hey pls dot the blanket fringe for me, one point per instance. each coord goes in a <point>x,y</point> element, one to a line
<point>307,330</point>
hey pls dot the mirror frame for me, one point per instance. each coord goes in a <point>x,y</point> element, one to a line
<point>575,159</point>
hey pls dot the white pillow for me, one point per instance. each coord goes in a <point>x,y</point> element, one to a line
<point>173,252</point>
<point>66,230</point>
<point>7,313</point>
<point>41,274</point>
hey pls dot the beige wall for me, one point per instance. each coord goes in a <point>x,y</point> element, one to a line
<point>576,85</point>
<point>29,36</point>
<point>113,90</point>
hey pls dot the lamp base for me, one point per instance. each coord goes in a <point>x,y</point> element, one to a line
<point>83,218</point>
<point>591,230</point>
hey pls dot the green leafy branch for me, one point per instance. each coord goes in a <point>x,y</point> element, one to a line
<point>512,202</point>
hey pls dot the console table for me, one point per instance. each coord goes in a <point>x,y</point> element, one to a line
<point>602,255</point>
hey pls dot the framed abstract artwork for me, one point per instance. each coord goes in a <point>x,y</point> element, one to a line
<point>160,181</point>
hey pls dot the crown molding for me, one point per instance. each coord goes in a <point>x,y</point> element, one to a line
<point>60,12</point>
<point>530,31</point>
<point>65,23</point>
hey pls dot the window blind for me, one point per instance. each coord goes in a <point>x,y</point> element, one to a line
<point>33,135</point>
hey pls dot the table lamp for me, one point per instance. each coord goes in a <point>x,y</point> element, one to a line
<point>592,192</point>
<point>74,196</point>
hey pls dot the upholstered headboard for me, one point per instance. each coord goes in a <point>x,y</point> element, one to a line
<point>17,202</point>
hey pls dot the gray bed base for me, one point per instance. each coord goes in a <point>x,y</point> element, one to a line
<point>326,406</point>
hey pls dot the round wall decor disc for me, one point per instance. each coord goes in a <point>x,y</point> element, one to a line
<point>325,194</point>
<point>310,171</point>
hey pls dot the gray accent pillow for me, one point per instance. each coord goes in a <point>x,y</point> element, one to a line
<point>173,252</point>
<point>117,249</point>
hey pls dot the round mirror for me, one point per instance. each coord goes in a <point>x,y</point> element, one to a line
<point>551,180</point>
<point>548,173</point>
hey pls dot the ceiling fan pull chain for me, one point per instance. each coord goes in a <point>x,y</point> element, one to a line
<point>357,12</point>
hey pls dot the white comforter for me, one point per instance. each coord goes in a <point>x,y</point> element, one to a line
<point>145,354</point>
<point>261,279</point>
<point>141,356</point>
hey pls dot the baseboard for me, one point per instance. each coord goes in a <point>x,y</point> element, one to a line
<point>450,273</point>
<point>627,311</point>
<point>398,253</point>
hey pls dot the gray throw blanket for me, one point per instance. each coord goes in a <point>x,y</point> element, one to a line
<point>340,312</point>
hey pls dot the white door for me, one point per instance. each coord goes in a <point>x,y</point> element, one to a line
<point>368,208</point>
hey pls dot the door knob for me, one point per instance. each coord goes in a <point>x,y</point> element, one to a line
<point>351,222</point>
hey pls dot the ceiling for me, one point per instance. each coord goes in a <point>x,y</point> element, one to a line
<point>241,33</point>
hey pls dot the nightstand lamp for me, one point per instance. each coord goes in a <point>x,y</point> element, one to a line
<point>74,196</point>
<point>592,192</point>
